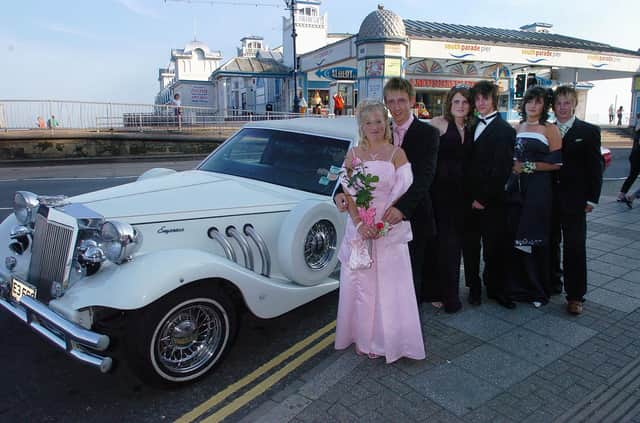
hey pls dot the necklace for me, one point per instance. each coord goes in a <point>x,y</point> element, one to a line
<point>532,123</point>
<point>376,154</point>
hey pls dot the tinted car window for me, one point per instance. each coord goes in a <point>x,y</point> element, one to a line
<point>300,161</point>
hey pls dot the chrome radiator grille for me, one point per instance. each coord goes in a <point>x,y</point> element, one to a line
<point>50,253</point>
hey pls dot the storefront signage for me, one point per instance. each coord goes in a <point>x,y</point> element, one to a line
<point>435,50</point>
<point>600,61</point>
<point>341,72</point>
<point>338,52</point>
<point>536,56</point>
<point>440,83</point>
<point>375,67</point>
<point>392,67</point>
<point>199,94</point>
<point>461,51</point>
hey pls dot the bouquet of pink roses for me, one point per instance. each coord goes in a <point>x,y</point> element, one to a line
<point>362,184</point>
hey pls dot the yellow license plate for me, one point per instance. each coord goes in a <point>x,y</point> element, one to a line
<point>19,288</point>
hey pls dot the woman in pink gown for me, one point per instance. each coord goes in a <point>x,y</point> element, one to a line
<point>377,309</point>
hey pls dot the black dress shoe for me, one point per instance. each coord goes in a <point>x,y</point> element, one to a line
<point>505,302</point>
<point>453,308</point>
<point>475,299</point>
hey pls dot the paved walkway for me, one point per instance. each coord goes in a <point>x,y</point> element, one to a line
<point>489,364</point>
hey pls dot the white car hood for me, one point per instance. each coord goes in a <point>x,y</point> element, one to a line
<point>190,194</point>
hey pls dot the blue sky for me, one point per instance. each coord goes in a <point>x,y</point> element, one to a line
<point>110,50</point>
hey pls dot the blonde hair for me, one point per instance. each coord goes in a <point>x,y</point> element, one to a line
<point>364,109</point>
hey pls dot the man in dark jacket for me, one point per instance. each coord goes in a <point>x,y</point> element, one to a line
<point>576,192</point>
<point>485,219</point>
<point>420,142</point>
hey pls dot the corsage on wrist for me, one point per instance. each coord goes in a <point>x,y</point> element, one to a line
<point>528,167</point>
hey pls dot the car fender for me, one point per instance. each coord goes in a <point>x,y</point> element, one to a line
<point>135,284</point>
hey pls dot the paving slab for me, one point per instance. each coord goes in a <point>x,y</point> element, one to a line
<point>490,364</point>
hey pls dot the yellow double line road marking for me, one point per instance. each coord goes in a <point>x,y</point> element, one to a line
<point>264,385</point>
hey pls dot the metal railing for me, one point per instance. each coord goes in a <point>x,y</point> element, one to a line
<point>95,116</point>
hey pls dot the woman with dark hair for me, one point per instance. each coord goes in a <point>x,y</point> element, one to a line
<point>538,152</point>
<point>448,196</point>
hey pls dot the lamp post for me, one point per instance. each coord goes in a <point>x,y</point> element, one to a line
<point>291,4</point>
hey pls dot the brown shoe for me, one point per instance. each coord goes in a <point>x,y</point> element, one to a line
<point>574,307</point>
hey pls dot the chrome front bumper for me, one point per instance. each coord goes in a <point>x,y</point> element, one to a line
<point>63,333</point>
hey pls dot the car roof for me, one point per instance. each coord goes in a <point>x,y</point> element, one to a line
<point>339,127</point>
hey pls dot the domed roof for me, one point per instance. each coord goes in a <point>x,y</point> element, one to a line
<point>195,44</point>
<point>382,24</point>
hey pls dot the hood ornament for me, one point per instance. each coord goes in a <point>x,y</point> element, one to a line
<point>53,200</point>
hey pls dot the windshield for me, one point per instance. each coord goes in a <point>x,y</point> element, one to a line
<point>300,161</point>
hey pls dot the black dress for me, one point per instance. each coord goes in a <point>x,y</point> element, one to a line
<point>448,194</point>
<point>529,221</point>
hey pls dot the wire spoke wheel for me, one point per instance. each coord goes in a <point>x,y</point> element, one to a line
<point>190,337</point>
<point>320,244</point>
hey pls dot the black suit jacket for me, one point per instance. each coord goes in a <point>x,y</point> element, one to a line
<point>491,163</point>
<point>420,144</point>
<point>580,178</point>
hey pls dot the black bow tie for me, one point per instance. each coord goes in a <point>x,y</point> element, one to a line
<point>487,118</point>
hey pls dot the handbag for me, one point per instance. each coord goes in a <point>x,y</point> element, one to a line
<point>360,257</point>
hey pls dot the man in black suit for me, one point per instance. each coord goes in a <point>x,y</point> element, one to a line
<point>420,142</point>
<point>576,192</point>
<point>485,219</point>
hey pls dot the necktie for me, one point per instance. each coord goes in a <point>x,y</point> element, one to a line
<point>397,136</point>
<point>563,129</point>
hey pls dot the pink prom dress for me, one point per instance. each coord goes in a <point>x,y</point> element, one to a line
<point>377,308</point>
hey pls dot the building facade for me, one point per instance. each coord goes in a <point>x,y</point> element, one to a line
<point>436,57</point>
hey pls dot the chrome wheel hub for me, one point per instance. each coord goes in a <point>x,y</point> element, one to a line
<point>320,244</point>
<point>190,336</point>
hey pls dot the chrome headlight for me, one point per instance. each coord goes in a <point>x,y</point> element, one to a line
<point>119,241</point>
<point>24,206</point>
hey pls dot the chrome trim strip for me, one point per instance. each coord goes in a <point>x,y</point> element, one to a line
<point>214,234</point>
<point>71,337</point>
<point>262,248</point>
<point>244,246</point>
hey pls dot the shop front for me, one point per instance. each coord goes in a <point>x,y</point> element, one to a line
<point>429,55</point>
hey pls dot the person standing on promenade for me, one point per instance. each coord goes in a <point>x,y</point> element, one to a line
<point>377,309</point>
<point>177,109</point>
<point>619,123</point>
<point>40,124</point>
<point>634,161</point>
<point>448,193</point>
<point>420,142</point>
<point>612,113</point>
<point>338,104</point>
<point>485,219</point>
<point>52,123</point>
<point>538,154</point>
<point>576,192</point>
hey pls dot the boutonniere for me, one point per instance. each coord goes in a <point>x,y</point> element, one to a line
<point>578,139</point>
